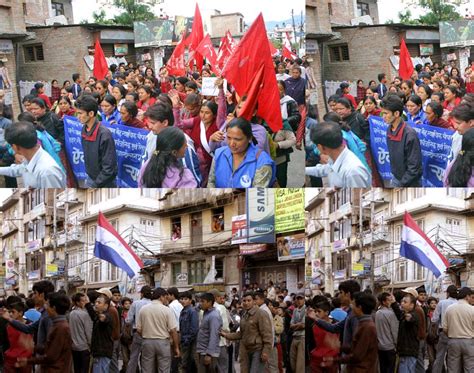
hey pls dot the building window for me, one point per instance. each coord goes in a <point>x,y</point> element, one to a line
<point>112,193</point>
<point>115,224</point>
<point>25,9</point>
<point>241,25</point>
<point>332,203</point>
<point>339,53</point>
<point>148,192</point>
<point>95,270</point>
<point>35,230</point>
<point>147,225</point>
<point>175,271</point>
<point>219,268</point>
<point>363,9</point>
<point>217,220</point>
<point>95,196</point>
<point>402,271</point>
<point>37,197</point>
<point>33,261</point>
<point>421,224</point>
<point>112,272</point>
<point>330,9</point>
<point>196,272</point>
<point>92,234</point>
<point>418,271</point>
<point>397,234</point>
<point>33,53</point>
<point>176,228</point>
<point>341,261</point>
<point>418,192</point>
<point>402,195</point>
<point>241,204</point>
<point>453,225</point>
<point>58,9</point>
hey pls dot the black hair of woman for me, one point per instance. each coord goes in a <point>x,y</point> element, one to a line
<point>461,170</point>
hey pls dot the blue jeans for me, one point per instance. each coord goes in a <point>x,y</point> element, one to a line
<point>256,365</point>
<point>101,365</point>
<point>407,364</point>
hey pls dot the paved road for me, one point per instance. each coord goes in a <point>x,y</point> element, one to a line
<point>296,169</point>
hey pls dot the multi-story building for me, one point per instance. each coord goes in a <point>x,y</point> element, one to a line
<point>15,17</point>
<point>196,238</point>
<point>348,239</point>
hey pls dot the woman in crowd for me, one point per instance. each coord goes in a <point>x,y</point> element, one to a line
<point>371,107</point>
<point>55,91</point>
<point>102,88</point>
<point>145,98</point>
<point>407,89</point>
<point>415,113</point>
<point>65,107</point>
<point>119,93</point>
<point>460,173</point>
<point>424,92</point>
<point>240,164</point>
<point>165,167</point>
<point>434,115</point>
<point>108,110</point>
<point>128,115</point>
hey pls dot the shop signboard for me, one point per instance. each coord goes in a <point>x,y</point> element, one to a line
<point>156,33</point>
<point>456,33</point>
<point>289,210</point>
<point>291,247</point>
<point>260,215</point>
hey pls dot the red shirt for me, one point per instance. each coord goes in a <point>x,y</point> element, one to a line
<point>18,341</point>
<point>143,106</point>
<point>45,99</point>
<point>351,99</point>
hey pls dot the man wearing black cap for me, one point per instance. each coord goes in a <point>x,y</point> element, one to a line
<point>458,324</point>
<point>421,302</point>
<point>438,316</point>
<point>297,325</point>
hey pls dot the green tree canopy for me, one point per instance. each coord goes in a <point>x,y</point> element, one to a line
<point>435,12</point>
<point>131,11</point>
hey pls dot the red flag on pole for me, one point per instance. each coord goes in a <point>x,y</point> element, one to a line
<point>251,53</point>
<point>101,67</point>
<point>252,92</point>
<point>287,53</point>
<point>176,65</point>
<point>197,34</point>
<point>206,49</point>
<point>225,49</point>
<point>273,50</point>
<point>405,69</point>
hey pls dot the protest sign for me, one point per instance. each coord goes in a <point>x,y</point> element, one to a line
<point>435,147</point>
<point>130,144</point>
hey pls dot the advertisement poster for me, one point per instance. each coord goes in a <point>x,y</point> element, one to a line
<point>291,247</point>
<point>239,229</point>
<point>154,33</point>
<point>289,210</point>
<point>261,215</point>
<point>251,249</point>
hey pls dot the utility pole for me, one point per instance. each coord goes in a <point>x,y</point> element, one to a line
<point>66,255</point>
<point>372,255</point>
<point>294,25</point>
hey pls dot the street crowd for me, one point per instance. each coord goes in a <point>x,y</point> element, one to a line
<point>405,331</point>
<point>163,331</point>
<point>193,140</point>
<point>339,146</point>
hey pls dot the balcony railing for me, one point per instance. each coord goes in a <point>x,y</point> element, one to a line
<point>74,236</point>
<point>379,235</point>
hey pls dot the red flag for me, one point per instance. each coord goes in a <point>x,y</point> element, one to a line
<point>405,70</point>
<point>206,49</point>
<point>273,50</point>
<point>286,49</point>
<point>225,49</point>
<point>101,67</point>
<point>243,66</point>
<point>197,34</point>
<point>248,108</point>
<point>175,64</point>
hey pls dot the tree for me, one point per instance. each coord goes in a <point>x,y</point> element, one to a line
<point>132,11</point>
<point>435,11</point>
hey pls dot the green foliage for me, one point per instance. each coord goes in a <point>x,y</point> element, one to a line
<point>131,11</point>
<point>435,12</point>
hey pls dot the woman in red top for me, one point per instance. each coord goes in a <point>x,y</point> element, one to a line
<point>200,128</point>
<point>55,91</point>
<point>145,99</point>
<point>370,105</point>
<point>65,107</point>
<point>451,100</point>
<point>21,344</point>
<point>128,115</point>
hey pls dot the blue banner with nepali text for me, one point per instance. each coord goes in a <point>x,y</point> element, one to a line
<point>435,147</point>
<point>130,144</point>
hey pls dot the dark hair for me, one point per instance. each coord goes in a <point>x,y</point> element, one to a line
<point>409,83</point>
<point>259,294</point>
<point>60,302</point>
<point>327,134</point>
<point>146,292</point>
<point>103,83</point>
<point>40,102</point>
<point>173,291</point>
<point>22,134</point>
<point>383,297</point>
<point>452,291</point>
<point>147,89</point>
<point>182,79</point>
<point>65,98</point>
<point>76,298</point>
<point>349,286</point>
<point>28,98</point>
<point>245,126</point>
<point>122,89</point>
<point>454,90</point>
<point>371,98</point>
<point>416,100</point>
<point>18,306</point>
<point>134,95</point>
<point>439,94</point>
<point>365,301</point>
<point>463,111</point>
<point>212,106</point>
<point>75,76</point>
<point>437,108</point>
<point>192,99</point>
<point>381,76</point>
<point>131,108</point>
<point>43,287</point>
<point>464,292</point>
<point>336,302</point>
<point>345,102</point>
<point>160,112</point>
<point>461,170</point>
<point>333,98</point>
<point>110,99</point>
<point>323,305</point>
<point>191,85</point>
<point>283,84</point>
<point>38,86</point>
<point>186,294</point>
<point>248,294</point>
<point>430,299</point>
<point>126,299</point>
<point>427,89</point>
<point>208,297</point>
<point>88,104</point>
<point>393,103</point>
<point>170,139</point>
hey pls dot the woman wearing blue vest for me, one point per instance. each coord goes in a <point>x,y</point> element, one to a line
<point>240,164</point>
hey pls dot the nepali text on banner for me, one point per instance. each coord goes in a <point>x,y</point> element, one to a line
<point>435,147</point>
<point>130,144</point>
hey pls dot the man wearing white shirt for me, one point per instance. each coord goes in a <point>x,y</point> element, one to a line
<point>344,170</point>
<point>223,360</point>
<point>39,170</point>
<point>176,307</point>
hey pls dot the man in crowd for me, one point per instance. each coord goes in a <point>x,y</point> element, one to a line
<point>386,324</point>
<point>189,326</point>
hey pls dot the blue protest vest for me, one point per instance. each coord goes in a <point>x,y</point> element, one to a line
<point>244,175</point>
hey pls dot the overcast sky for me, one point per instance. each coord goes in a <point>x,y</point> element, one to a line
<point>83,9</point>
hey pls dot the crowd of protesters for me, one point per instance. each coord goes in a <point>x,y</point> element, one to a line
<point>338,146</point>
<point>164,330</point>
<point>406,331</point>
<point>208,144</point>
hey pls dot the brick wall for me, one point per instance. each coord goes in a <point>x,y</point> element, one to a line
<point>64,49</point>
<point>369,51</point>
<point>222,23</point>
<point>11,16</point>
<point>36,11</point>
<point>342,11</point>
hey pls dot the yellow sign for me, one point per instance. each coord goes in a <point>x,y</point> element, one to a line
<point>51,270</point>
<point>2,271</point>
<point>289,210</point>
